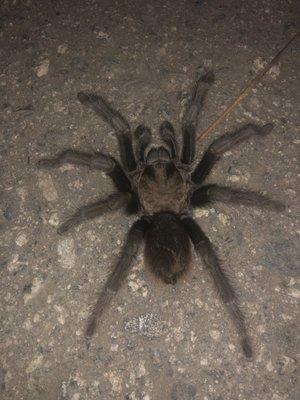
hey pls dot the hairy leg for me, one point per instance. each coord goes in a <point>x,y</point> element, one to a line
<point>117,122</point>
<point>93,161</point>
<point>223,144</point>
<point>119,274</point>
<point>205,249</point>
<point>143,136</point>
<point>211,193</point>
<point>167,134</point>
<point>190,119</point>
<point>97,161</point>
<point>94,210</point>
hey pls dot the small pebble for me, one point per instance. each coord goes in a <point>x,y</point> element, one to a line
<point>294,293</point>
<point>224,219</point>
<point>66,251</point>
<point>62,48</point>
<point>21,239</point>
<point>43,68</point>
<point>46,185</point>
<point>274,71</point>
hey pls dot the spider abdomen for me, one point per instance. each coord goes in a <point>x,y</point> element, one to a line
<point>167,247</point>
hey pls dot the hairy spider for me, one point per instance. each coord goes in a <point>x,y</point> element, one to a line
<point>160,185</point>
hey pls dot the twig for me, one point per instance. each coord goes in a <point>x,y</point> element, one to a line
<point>245,91</point>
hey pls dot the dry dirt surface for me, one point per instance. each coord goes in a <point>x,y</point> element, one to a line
<point>155,342</point>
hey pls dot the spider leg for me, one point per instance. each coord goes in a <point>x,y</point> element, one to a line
<point>211,193</point>
<point>119,274</point>
<point>205,249</point>
<point>97,161</point>
<point>143,136</point>
<point>190,119</point>
<point>117,122</point>
<point>167,134</point>
<point>223,144</point>
<point>94,210</point>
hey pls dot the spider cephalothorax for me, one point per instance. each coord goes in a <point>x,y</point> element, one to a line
<point>159,185</point>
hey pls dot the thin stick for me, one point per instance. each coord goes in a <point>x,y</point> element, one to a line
<point>245,91</point>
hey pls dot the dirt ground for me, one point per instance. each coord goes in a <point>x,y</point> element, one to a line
<point>155,342</point>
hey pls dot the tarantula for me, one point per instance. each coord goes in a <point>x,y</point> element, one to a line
<point>160,185</point>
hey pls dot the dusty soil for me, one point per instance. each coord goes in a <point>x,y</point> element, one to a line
<point>155,342</point>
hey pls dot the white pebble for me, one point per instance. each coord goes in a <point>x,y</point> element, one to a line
<point>43,68</point>
<point>294,293</point>
<point>223,219</point>
<point>21,239</point>
<point>53,220</point>
<point>66,251</point>
<point>62,48</point>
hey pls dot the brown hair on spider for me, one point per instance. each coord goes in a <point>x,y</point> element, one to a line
<point>161,186</point>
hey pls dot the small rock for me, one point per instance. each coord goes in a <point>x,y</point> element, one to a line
<point>224,219</point>
<point>61,314</point>
<point>148,325</point>
<point>43,68</point>
<point>102,35</point>
<point>234,178</point>
<point>141,369</point>
<point>258,64</point>
<point>21,239</point>
<point>274,71</point>
<point>66,251</point>
<point>54,220</point>
<point>269,366</point>
<point>294,293</point>
<point>183,391</point>
<point>114,347</point>
<point>62,48</point>
<point>199,303</point>
<point>202,213</point>
<point>46,185</point>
